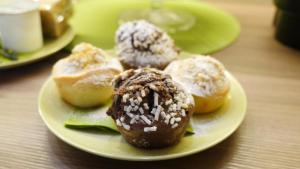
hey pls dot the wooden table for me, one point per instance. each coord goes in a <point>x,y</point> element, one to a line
<point>268,138</point>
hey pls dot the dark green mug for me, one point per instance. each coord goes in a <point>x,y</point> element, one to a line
<point>287,22</point>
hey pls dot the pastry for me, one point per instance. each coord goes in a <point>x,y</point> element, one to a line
<point>205,78</point>
<point>149,108</point>
<point>141,44</point>
<point>84,78</point>
<point>54,16</point>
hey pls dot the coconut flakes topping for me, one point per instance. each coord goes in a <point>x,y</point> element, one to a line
<point>170,111</point>
<point>141,43</point>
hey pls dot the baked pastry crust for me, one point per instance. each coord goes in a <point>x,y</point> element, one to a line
<point>141,44</point>
<point>205,78</point>
<point>150,109</point>
<point>84,78</point>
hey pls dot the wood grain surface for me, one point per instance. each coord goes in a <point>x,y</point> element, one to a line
<point>268,138</point>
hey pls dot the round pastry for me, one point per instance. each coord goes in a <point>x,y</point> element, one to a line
<point>84,78</point>
<point>205,78</point>
<point>149,108</point>
<point>141,44</point>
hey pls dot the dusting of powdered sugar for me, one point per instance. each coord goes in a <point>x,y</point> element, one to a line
<point>201,75</point>
<point>89,65</point>
<point>101,74</point>
<point>143,44</point>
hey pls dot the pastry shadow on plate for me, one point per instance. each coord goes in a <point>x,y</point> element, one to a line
<point>202,122</point>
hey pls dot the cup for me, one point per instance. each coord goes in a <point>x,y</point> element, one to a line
<point>287,22</point>
<point>20,25</point>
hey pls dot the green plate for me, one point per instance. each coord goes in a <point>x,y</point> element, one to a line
<point>96,21</point>
<point>209,129</point>
<point>50,47</point>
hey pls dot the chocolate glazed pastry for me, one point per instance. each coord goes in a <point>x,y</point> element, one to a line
<point>150,109</point>
<point>141,44</point>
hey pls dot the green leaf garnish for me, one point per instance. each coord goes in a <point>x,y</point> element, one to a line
<point>93,119</point>
<point>189,129</point>
<point>104,124</point>
<point>9,54</point>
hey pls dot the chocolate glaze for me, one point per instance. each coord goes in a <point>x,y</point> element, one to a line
<point>131,83</point>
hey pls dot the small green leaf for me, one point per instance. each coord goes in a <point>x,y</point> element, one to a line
<point>105,124</point>
<point>97,119</point>
<point>189,129</point>
<point>9,54</point>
